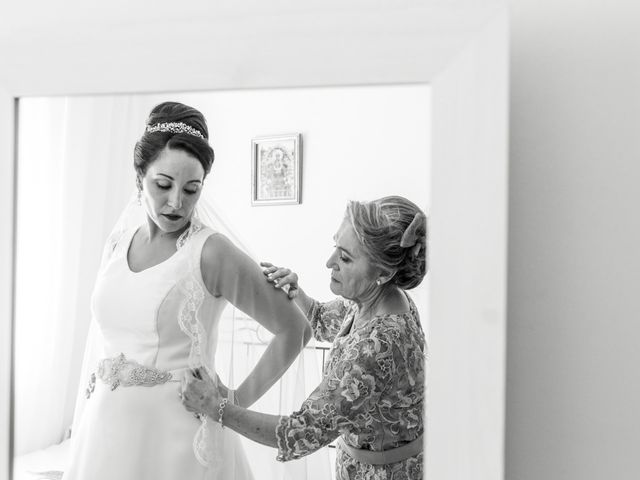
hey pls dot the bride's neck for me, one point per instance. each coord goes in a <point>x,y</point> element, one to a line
<point>154,233</point>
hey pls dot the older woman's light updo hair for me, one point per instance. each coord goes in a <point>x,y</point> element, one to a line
<point>392,231</point>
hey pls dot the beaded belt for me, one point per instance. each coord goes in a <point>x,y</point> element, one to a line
<point>119,371</point>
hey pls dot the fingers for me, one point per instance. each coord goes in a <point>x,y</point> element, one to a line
<point>274,272</point>
<point>268,268</point>
<point>182,395</point>
<point>278,273</point>
<point>191,394</point>
<point>282,277</point>
<point>189,383</point>
<point>201,373</point>
<point>184,389</point>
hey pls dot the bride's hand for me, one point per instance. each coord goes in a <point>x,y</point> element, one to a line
<point>281,277</point>
<point>199,393</point>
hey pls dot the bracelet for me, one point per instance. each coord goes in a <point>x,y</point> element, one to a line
<point>223,404</point>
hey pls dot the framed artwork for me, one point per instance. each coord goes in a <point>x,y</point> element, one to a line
<point>276,170</point>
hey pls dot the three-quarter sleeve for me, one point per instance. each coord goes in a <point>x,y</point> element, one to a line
<point>327,318</point>
<point>356,377</point>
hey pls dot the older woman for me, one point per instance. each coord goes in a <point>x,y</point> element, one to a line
<point>372,392</point>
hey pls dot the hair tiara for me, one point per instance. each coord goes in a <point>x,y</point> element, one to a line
<point>175,127</point>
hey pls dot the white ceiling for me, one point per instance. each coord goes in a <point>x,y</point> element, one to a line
<point>125,46</point>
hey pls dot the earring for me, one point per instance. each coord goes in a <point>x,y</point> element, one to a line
<point>139,187</point>
<point>378,282</point>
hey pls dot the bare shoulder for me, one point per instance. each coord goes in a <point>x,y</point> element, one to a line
<point>219,257</point>
<point>216,248</point>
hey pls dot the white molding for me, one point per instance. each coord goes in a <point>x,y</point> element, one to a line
<point>7,189</point>
<point>466,404</point>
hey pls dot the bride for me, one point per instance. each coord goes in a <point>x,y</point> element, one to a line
<point>159,295</point>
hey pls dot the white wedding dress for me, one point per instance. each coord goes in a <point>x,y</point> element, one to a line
<point>153,324</point>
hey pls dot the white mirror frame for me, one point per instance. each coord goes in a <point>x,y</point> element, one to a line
<point>468,212</point>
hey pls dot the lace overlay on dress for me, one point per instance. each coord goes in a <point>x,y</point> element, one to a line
<point>188,318</point>
<point>194,228</point>
<point>194,294</point>
<point>327,318</point>
<point>207,443</point>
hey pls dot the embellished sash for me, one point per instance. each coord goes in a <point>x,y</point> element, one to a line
<point>120,371</point>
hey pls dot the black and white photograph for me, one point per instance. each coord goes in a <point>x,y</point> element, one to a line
<point>319,240</point>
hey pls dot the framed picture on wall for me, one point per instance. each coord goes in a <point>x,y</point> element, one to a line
<point>276,170</point>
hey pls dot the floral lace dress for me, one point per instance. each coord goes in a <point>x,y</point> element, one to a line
<point>372,392</point>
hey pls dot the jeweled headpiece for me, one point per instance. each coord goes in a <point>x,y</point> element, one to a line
<point>175,127</point>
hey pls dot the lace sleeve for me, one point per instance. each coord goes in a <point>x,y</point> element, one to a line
<point>326,318</point>
<point>342,403</point>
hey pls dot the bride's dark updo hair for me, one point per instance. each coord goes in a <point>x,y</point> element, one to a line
<point>152,143</point>
<point>393,233</point>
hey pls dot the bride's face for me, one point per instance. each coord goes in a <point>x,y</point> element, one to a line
<point>171,188</point>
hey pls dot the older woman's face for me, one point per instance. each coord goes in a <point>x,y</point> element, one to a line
<point>171,188</point>
<point>352,275</point>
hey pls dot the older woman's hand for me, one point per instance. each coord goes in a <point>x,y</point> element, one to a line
<point>199,392</point>
<point>281,277</point>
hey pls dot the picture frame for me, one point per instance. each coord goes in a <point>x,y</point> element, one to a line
<point>276,170</point>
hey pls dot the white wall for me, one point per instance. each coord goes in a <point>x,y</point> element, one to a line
<point>573,387</point>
